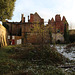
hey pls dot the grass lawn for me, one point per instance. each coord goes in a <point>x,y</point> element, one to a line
<point>30,60</point>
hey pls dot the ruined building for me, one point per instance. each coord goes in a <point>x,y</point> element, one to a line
<point>23,31</point>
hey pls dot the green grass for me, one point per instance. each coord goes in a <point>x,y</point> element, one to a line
<point>30,59</point>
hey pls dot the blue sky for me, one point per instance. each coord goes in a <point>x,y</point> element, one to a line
<point>46,9</point>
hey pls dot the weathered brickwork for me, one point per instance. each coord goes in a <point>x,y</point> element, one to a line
<point>36,18</point>
<point>57,28</point>
<point>25,29</point>
<point>58,24</point>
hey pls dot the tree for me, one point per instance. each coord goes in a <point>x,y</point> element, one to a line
<point>50,34</point>
<point>6,9</point>
<point>42,33</point>
<point>26,37</point>
<point>66,33</point>
<point>50,29</point>
<point>37,30</point>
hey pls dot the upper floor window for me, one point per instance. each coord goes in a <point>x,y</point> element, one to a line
<point>58,31</point>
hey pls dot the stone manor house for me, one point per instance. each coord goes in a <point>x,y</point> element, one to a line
<point>23,32</point>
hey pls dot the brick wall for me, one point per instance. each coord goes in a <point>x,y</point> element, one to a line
<point>58,24</point>
<point>36,18</point>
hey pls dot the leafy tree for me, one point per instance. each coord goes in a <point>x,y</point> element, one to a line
<point>26,37</point>
<point>50,29</point>
<point>6,9</point>
<point>39,31</point>
<point>50,34</point>
<point>42,33</point>
<point>66,33</point>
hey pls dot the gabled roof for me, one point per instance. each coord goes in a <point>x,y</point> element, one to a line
<point>52,20</point>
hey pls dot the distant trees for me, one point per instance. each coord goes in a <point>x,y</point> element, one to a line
<point>72,38</point>
<point>6,9</point>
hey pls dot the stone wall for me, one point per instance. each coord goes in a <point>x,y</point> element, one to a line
<point>3,36</point>
<point>58,38</point>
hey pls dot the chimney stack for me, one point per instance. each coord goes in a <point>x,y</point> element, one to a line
<point>23,18</point>
<point>28,18</point>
